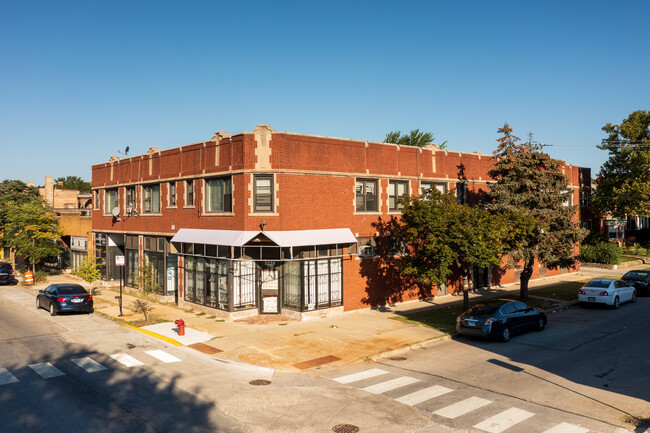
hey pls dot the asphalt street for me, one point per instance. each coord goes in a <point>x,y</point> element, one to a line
<point>591,362</point>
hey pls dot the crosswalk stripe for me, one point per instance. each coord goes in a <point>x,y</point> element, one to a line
<point>88,364</point>
<point>126,360</point>
<point>503,420</point>
<point>567,428</point>
<point>462,407</point>
<point>6,377</point>
<point>390,385</point>
<point>46,370</point>
<point>360,376</point>
<point>162,355</point>
<point>423,395</point>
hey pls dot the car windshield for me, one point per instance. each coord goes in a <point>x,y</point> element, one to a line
<point>71,290</point>
<point>636,275</point>
<point>598,283</point>
<point>484,309</point>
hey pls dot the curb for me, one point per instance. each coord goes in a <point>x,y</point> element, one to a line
<point>154,335</point>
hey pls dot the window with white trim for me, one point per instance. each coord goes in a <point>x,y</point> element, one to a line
<point>367,198</point>
<point>396,189</point>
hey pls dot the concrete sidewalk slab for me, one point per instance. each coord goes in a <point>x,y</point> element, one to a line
<point>169,330</point>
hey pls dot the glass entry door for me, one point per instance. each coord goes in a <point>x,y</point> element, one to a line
<point>269,290</point>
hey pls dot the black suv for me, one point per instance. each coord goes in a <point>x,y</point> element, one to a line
<point>7,274</point>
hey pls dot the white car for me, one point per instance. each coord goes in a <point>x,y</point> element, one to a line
<point>607,291</point>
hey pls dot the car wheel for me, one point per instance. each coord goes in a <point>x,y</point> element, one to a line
<point>541,323</point>
<point>505,334</point>
<point>634,297</point>
<point>38,304</point>
<point>52,310</point>
<point>90,311</point>
<point>617,303</point>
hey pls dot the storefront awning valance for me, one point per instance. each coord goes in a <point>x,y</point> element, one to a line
<point>289,238</point>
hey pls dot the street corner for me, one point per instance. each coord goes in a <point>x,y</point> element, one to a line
<point>170,331</point>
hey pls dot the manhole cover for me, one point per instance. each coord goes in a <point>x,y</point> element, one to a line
<point>345,428</point>
<point>260,382</point>
<point>398,358</point>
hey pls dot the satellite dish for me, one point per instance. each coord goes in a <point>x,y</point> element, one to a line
<point>116,212</point>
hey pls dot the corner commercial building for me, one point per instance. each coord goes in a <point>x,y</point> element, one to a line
<point>272,222</point>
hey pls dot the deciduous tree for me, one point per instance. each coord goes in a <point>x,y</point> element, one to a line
<point>74,182</point>
<point>18,193</point>
<point>32,230</point>
<point>439,233</point>
<point>624,179</point>
<point>532,192</point>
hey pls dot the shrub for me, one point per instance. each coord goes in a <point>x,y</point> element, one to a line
<point>143,307</point>
<point>88,271</point>
<point>607,253</point>
<point>40,277</point>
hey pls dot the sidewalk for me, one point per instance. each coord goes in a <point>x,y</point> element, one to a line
<point>293,346</point>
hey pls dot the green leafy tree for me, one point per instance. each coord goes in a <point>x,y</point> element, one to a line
<point>414,138</point>
<point>33,230</point>
<point>624,179</point>
<point>13,192</point>
<point>88,270</point>
<point>532,192</point>
<point>75,183</point>
<point>440,233</point>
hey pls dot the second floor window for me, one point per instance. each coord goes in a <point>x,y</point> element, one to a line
<point>461,193</point>
<point>110,200</point>
<point>189,192</point>
<point>366,195</point>
<point>396,189</point>
<point>263,193</point>
<point>172,194</point>
<point>130,198</point>
<point>151,198</point>
<point>218,195</point>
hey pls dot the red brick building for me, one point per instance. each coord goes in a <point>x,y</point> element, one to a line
<point>268,222</point>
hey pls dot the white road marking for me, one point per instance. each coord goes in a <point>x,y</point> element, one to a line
<point>6,377</point>
<point>567,428</point>
<point>504,420</point>
<point>163,356</point>
<point>46,370</point>
<point>126,360</point>
<point>88,364</point>
<point>390,385</point>
<point>423,395</point>
<point>360,376</point>
<point>462,407</point>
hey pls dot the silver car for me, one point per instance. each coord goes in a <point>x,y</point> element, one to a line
<point>608,291</point>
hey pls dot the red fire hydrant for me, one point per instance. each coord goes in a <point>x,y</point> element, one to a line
<point>181,327</point>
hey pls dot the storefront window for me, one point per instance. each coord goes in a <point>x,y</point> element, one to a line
<point>189,279</point>
<point>244,285</point>
<point>292,288</point>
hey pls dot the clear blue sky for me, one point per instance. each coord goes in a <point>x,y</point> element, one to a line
<point>81,79</point>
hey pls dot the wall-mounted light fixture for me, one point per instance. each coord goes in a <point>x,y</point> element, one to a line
<point>263,225</point>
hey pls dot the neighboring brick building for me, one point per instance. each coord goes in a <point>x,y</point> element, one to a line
<point>268,221</point>
<point>74,214</point>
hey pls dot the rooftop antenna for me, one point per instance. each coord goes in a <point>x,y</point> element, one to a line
<point>126,151</point>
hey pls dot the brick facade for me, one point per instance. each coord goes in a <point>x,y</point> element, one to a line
<point>313,187</point>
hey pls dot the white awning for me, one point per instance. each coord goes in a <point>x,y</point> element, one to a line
<point>235,238</point>
<point>290,238</point>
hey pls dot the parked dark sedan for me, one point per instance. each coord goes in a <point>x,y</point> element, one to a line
<point>500,319</point>
<point>640,280</point>
<point>59,298</point>
<point>7,273</point>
